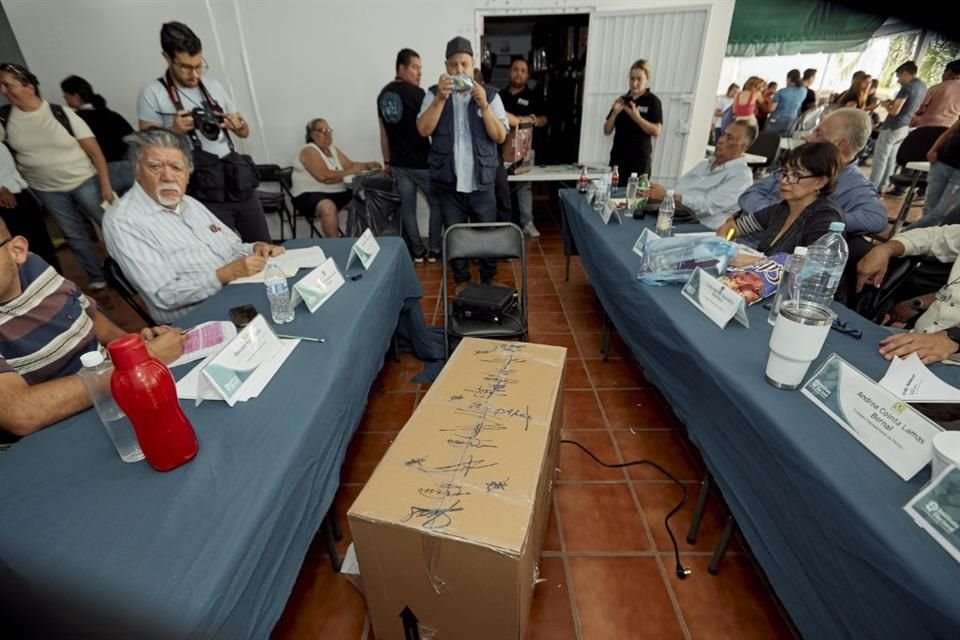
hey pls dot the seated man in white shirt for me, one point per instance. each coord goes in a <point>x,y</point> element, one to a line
<point>170,246</point>
<point>936,333</point>
<point>711,189</point>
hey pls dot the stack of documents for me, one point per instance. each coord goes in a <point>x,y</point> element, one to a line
<point>290,262</point>
<point>910,380</point>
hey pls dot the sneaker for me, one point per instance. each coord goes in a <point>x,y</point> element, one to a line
<point>433,256</point>
<point>418,258</point>
<point>99,285</point>
<point>531,230</point>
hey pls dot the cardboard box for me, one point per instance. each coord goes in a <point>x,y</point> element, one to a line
<point>449,528</point>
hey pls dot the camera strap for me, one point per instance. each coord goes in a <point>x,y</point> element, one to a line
<point>174,94</point>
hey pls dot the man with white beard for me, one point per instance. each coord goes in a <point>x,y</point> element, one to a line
<point>169,245</point>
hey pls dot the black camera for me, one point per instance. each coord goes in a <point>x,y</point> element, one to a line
<point>207,123</point>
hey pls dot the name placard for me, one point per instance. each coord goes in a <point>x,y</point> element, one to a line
<point>894,432</point>
<point>641,244</point>
<point>610,213</point>
<point>318,286</point>
<point>717,301</point>
<point>364,249</point>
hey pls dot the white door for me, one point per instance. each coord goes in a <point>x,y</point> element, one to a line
<point>672,40</point>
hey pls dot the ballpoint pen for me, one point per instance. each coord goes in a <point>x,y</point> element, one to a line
<point>307,338</point>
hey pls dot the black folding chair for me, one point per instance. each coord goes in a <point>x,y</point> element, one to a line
<point>276,201</point>
<point>119,282</point>
<point>767,145</point>
<point>484,240</point>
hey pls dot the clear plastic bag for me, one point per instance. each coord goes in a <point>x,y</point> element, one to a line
<point>672,260</point>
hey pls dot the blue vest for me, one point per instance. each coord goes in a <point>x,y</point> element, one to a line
<point>485,153</point>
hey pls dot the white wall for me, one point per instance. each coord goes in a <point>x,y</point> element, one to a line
<point>286,62</point>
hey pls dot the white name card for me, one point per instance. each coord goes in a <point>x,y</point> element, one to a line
<point>364,249</point>
<point>318,286</point>
<point>645,236</point>
<point>609,212</point>
<point>894,432</point>
<point>716,300</point>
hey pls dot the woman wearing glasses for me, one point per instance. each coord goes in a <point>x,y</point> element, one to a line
<point>807,177</point>
<point>318,172</point>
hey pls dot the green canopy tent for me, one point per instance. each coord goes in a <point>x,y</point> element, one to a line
<point>782,27</point>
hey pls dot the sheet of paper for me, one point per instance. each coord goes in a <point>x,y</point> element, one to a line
<point>205,339</point>
<point>909,379</point>
<point>233,370</point>
<point>290,263</point>
<point>194,386</point>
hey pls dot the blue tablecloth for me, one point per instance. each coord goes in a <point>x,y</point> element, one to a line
<point>211,549</point>
<point>822,514</point>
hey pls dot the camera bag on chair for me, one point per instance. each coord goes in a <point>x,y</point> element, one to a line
<point>230,178</point>
<point>484,303</point>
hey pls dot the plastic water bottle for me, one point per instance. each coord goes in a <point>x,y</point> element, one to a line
<point>146,391</point>
<point>643,191</point>
<point>632,182</point>
<point>665,215</point>
<point>95,376</point>
<point>821,273</point>
<point>278,293</point>
<point>788,282</point>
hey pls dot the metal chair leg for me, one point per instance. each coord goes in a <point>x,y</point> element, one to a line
<point>605,338</point>
<point>905,207</point>
<point>334,525</point>
<point>330,540</point>
<point>721,549</point>
<point>699,509</point>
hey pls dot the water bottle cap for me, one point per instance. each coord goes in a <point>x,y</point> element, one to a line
<point>669,193</point>
<point>128,351</point>
<point>91,359</point>
<point>837,226</point>
<point>799,251</point>
<point>633,175</point>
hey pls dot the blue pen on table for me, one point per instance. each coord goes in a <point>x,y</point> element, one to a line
<point>307,338</point>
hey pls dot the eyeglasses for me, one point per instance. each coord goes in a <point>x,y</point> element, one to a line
<point>327,130</point>
<point>3,242</point>
<point>844,327</point>
<point>198,69</point>
<point>155,167</point>
<point>791,177</point>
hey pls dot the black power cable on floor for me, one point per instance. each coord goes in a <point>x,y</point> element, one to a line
<point>682,571</point>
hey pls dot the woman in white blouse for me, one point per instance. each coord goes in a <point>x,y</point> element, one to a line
<point>318,173</point>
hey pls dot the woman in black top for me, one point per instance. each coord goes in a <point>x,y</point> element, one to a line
<point>807,177</point>
<point>637,118</point>
<point>108,127</point>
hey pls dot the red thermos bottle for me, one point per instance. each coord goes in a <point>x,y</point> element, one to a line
<point>144,388</point>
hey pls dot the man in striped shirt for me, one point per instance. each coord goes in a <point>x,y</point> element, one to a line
<point>46,324</point>
<point>170,246</point>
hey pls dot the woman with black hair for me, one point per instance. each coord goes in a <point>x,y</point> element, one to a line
<point>109,128</point>
<point>807,177</point>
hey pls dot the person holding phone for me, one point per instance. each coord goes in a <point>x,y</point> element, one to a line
<point>171,247</point>
<point>635,119</point>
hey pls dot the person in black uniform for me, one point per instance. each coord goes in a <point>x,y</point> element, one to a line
<point>637,118</point>
<point>405,153</point>
<point>109,128</point>
<point>523,106</point>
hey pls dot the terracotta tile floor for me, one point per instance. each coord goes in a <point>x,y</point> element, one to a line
<point>603,576</point>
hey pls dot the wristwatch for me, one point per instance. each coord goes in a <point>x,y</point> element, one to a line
<point>954,334</point>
